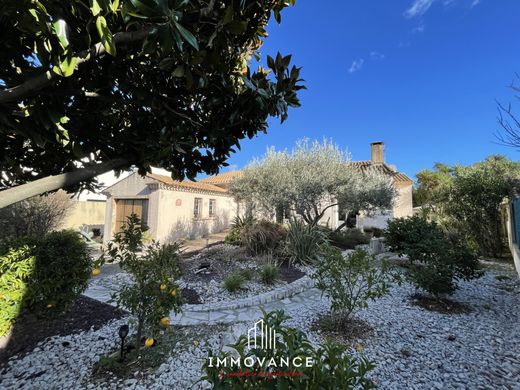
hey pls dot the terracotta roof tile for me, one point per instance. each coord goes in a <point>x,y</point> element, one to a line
<point>193,185</point>
<point>223,178</point>
<point>382,168</point>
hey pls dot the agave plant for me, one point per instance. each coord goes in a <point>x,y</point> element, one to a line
<point>303,244</point>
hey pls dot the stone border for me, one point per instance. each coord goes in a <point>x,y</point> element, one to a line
<point>285,291</point>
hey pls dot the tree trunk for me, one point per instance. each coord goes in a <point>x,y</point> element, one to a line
<point>52,183</point>
<point>140,324</point>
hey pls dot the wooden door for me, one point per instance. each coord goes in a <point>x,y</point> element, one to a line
<point>127,207</point>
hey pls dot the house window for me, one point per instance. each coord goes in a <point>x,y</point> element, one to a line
<point>197,208</point>
<point>212,206</point>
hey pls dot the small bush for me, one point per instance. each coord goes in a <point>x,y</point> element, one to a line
<point>238,224</point>
<point>154,293</point>
<point>351,281</point>
<point>303,242</point>
<point>269,274</point>
<point>36,216</point>
<point>247,273</point>
<point>16,267</point>
<point>331,368</point>
<point>263,237</point>
<point>438,259</point>
<point>43,274</point>
<point>234,282</point>
<point>373,231</point>
<point>349,239</point>
<point>233,237</point>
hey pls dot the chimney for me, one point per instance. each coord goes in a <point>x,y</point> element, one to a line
<point>377,152</point>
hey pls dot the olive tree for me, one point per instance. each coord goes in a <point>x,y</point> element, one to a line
<point>92,86</point>
<point>309,180</point>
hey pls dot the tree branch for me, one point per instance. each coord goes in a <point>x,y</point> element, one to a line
<point>38,82</point>
<point>51,183</point>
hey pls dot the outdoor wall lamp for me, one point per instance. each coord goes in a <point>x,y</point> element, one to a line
<point>123,332</point>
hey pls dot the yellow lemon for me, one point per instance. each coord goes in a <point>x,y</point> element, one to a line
<point>163,287</point>
<point>174,292</point>
<point>149,342</point>
<point>165,321</point>
<point>359,348</point>
<point>49,305</point>
<point>96,272</point>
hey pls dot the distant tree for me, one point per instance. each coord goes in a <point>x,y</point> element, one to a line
<point>468,198</point>
<point>472,201</point>
<point>430,186</point>
<point>35,216</point>
<point>310,180</point>
<point>91,86</point>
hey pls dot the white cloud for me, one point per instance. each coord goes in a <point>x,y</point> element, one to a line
<point>418,29</point>
<point>375,55</point>
<point>418,8</point>
<point>356,65</point>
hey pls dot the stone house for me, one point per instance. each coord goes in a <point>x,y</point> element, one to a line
<point>184,209</point>
<point>171,209</point>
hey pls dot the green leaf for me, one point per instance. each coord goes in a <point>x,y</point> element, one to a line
<point>145,7</point>
<point>115,5</point>
<point>60,31</point>
<point>188,36</point>
<point>95,7</point>
<point>106,36</point>
<point>66,67</point>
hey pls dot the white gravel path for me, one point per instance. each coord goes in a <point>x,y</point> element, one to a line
<point>485,353</point>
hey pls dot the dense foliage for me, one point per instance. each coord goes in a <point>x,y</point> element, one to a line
<point>352,280</point>
<point>154,292</point>
<point>162,83</point>
<point>439,260</point>
<point>349,238</point>
<point>234,282</point>
<point>269,273</point>
<point>42,274</point>
<point>263,237</point>
<point>332,367</point>
<point>467,199</point>
<point>238,224</point>
<point>303,244</point>
<point>35,216</point>
<point>16,267</point>
<point>308,181</point>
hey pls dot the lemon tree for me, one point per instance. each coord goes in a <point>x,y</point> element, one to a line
<point>154,269</point>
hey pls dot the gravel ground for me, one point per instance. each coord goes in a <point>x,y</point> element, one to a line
<point>413,348</point>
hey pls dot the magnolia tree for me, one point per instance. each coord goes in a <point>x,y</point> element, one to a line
<point>309,180</point>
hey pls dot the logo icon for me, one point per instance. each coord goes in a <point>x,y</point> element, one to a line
<point>267,336</point>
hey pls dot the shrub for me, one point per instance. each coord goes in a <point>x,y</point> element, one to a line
<point>35,216</point>
<point>263,237</point>
<point>374,231</point>
<point>269,273</point>
<point>439,260</point>
<point>247,273</point>
<point>154,293</point>
<point>233,237</point>
<point>234,282</point>
<point>238,224</point>
<point>42,274</point>
<point>331,368</point>
<point>16,267</point>
<point>303,242</point>
<point>351,281</point>
<point>349,239</point>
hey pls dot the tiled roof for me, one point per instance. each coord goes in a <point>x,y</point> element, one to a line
<point>192,185</point>
<point>382,168</point>
<point>223,178</point>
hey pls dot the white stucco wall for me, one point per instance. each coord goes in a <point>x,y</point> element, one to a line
<point>170,213</point>
<point>176,215</point>
<point>513,246</point>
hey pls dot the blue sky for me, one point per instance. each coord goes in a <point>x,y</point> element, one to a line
<point>420,75</point>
